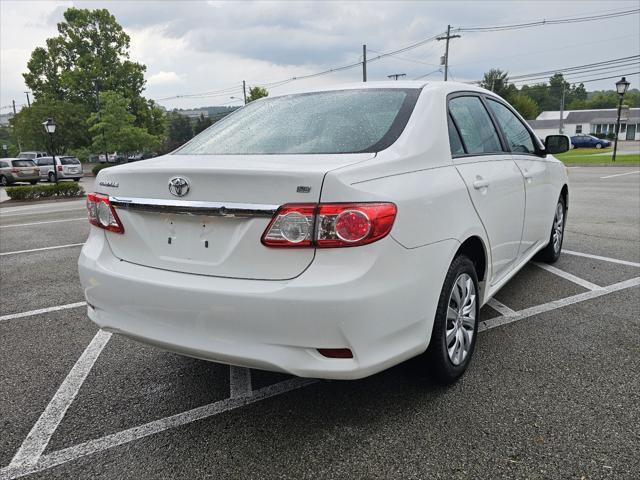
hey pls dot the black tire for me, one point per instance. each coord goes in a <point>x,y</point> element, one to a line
<point>51,177</point>
<point>76,179</point>
<point>33,182</point>
<point>551,253</point>
<point>4,181</point>
<point>441,366</point>
<point>598,145</point>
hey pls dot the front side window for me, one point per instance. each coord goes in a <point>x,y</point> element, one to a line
<point>517,136</point>
<point>475,126</point>
<point>344,121</point>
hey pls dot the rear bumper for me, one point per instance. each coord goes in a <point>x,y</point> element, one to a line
<point>22,178</point>
<point>378,300</point>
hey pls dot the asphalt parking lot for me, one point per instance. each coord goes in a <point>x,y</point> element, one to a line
<point>552,393</point>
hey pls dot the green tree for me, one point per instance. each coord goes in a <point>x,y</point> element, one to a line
<point>525,106</point>
<point>202,123</point>
<point>71,132</point>
<point>257,92</point>
<point>113,127</point>
<point>497,81</point>
<point>179,131</point>
<point>90,47</point>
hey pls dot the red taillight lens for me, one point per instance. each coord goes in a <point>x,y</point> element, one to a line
<point>328,225</point>
<point>102,214</point>
<point>59,168</point>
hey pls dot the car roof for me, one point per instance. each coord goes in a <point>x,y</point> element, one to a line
<point>434,86</point>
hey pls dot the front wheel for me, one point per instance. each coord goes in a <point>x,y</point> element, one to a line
<point>3,181</point>
<point>551,252</point>
<point>598,146</point>
<point>455,326</point>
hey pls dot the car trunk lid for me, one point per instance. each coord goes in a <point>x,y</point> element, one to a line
<point>215,227</point>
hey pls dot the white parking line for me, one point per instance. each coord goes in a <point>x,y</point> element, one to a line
<point>93,446</point>
<point>563,302</point>
<point>45,222</point>
<point>568,276</point>
<point>30,313</point>
<point>621,174</point>
<point>39,436</point>
<point>239,381</point>
<point>604,259</point>
<point>42,249</point>
<point>501,308</point>
<point>40,211</point>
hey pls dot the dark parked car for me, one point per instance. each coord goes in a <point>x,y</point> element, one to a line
<point>589,141</point>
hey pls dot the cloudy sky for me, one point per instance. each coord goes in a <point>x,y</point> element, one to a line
<point>193,47</point>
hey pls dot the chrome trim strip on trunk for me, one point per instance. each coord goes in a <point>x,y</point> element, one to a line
<point>189,207</point>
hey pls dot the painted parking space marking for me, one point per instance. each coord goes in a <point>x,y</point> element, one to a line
<point>568,276</point>
<point>563,302</point>
<point>239,381</point>
<point>621,174</point>
<point>38,438</point>
<point>40,311</point>
<point>40,211</point>
<point>56,247</point>
<point>44,222</point>
<point>501,308</point>
<point>604,259</point>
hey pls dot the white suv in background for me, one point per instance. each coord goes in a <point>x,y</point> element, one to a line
<point>69,168</point>
<point>332,233</point>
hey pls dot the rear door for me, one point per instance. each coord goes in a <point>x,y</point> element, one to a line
<point>540,196</point>
<point>492,178</point>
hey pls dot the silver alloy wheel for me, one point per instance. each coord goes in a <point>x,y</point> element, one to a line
<point>558,227</point>
<point>461,318</point>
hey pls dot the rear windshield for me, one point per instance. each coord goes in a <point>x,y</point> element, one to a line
<point>23,163</point>
<point>27,155</point>
<point>343,121</point>
<point>69,161</point>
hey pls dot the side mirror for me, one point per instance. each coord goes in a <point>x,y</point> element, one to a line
<point>556,144</point>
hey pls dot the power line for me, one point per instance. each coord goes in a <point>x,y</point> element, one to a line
<point>630,58</point>
<point>600,78</point>
<point>544,22</point>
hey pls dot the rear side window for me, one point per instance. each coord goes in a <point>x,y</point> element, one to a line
<point>23,163</point>
<point>69,161</point>
<point>454,139</point>
<point>475,126</point>
<point>343,121</point>
<point>517,135</point>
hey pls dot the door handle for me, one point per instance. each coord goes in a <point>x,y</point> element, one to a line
<point>478,184</point>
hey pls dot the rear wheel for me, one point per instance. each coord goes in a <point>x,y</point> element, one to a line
<point>551,252</point>
<point>52,177</point>
<point>3,181</point>
<point>76,179</point>
<point>33,182</point>
<point>598,145</point>
<point>456,323</point>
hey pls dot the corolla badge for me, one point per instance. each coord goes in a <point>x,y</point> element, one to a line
<point>179,186</point>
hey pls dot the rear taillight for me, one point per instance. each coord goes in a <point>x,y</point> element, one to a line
<point>15,170</point>
<point>328,225</point>
<point>59,168</point>
<point>102,214</point>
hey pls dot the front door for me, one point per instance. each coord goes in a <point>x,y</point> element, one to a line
<point>631,131</point>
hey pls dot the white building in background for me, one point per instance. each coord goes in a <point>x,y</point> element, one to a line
<point>589,121</point>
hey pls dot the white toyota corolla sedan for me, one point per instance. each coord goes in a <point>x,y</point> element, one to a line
<point>331,233</point>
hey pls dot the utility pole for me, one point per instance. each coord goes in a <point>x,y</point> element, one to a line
<point>561,130</point>
<point>364,63</point>
<point>104,139</point>
<point>395,76</point>
<point>14,127</point>
<point>28,100</point>
<point>446,50</point>
<point>244,91</point>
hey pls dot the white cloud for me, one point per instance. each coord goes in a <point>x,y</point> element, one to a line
<point>208,46</point>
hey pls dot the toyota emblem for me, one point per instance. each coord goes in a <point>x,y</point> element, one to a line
<point>179,186</point>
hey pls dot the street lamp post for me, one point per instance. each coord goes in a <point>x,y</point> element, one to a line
<point>621,87</point>
<point>50,128</point>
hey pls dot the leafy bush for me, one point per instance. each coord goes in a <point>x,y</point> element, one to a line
<point>99,167</point>
<point>604,136</point>
<point>34,192</point>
